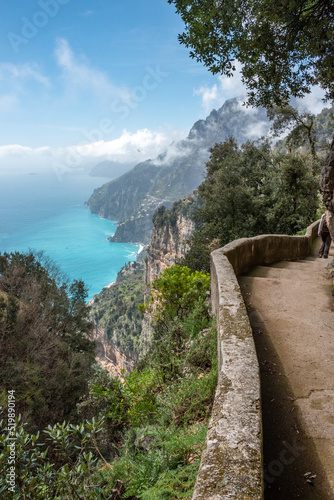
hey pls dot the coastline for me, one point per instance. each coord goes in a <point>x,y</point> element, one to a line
<point>141,248</point>
<point>110,285</point>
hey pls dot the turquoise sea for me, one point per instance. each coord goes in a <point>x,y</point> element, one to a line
<point>40,213</point>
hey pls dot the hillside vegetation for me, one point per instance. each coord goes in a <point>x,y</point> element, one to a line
<point>251,190</point>
<point>144,436</point>
<point>46,356</point>
<point>115,309</point>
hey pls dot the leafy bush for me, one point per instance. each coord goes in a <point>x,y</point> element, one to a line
<point>54,466</point>
<point>176,293</point>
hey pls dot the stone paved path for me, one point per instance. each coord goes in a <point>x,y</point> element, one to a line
<point>291,309</point>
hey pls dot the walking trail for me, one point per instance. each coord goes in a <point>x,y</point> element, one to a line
<point>291,309</point>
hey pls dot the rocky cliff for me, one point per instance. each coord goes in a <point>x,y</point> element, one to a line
<point>118,320</point>
<point>122,335</point>
<point>111,357</point>
<point>172,230</point>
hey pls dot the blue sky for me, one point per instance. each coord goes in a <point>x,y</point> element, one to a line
<point>102,79</point>
<point>75,72</point>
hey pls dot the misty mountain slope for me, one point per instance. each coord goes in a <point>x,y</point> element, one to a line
<point>232,119</point>
<point>110,169</point>
<point>132,198</point>
<point>120,198</point>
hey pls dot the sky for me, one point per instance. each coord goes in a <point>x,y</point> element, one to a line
<point>82,81</point>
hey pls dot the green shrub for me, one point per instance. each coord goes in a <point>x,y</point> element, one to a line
<point>55,464</point>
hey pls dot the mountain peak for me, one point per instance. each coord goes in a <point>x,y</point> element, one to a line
<point>232,118</point>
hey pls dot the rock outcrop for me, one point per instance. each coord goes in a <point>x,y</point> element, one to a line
<point>169,244</point>
<point>172,230</point>
<point>110,357</point>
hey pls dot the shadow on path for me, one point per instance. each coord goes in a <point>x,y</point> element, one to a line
<point>288,453</point>
<point>295,354</point>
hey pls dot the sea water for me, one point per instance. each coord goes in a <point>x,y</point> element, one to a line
<point>38,212</point>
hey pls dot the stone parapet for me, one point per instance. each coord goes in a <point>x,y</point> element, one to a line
<point>232,461</point>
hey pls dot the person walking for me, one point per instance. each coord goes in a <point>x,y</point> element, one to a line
<point>323,231</point>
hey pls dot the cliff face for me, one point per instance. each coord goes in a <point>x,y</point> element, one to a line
<point>171,231</point>
<point>118,320</point>
<point>110,356</point>
<point>137,229</point>
<point>122,334</point>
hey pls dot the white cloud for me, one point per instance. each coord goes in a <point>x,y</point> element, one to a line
<point>136,147</point>
<point>18,150</point>
<point>10,72</point>
<point>128,148</point>
<point>313,102</point>
<point>225,88</point>
<point>246,109</point>
<point>14,81</point>
<point>78,74</point>
<point>256,130</point>
<point>210,97</point>
<point>233,86</point>
<point>173,151</point>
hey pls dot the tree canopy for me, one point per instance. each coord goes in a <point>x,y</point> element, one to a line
<point>284,117</point>
<point>46,351</point>
<point>284,46</point>
<point>251,190</point>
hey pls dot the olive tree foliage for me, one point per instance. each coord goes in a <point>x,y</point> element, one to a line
<point>54,464</point>
<point>284,46</point>
<point>300,125</point>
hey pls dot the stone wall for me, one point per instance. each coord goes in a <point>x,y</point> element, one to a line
<point>232,461</point>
